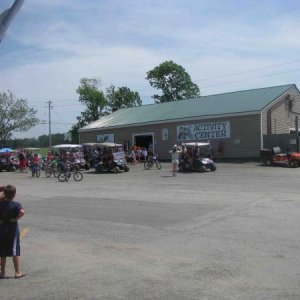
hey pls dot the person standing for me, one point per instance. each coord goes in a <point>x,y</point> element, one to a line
<point>10,212</point>
<point>22,161</point>
<point>220,150</point>
<point>175,152</point>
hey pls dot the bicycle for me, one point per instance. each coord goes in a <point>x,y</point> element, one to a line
<point>69,171</point>
<point>52,168</point>
<point>151,161</point>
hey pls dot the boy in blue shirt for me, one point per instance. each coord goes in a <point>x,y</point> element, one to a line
<point>10,212</point>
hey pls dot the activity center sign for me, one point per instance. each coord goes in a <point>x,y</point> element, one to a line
<point>204,131</point>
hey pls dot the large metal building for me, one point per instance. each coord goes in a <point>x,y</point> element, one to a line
<point>238,121</point>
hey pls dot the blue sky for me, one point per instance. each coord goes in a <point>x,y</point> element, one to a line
<point>224,45</point>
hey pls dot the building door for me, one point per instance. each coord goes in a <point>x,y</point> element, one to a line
<point>143,140</point>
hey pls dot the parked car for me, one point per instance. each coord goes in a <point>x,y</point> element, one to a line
<point>196,157</point>
<point>275,156</point>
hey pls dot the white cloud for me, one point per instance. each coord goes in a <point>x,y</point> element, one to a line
<point>55,43</point>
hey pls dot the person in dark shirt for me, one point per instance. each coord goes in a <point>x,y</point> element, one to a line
<point>10,212</point>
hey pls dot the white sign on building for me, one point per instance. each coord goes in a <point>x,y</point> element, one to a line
<point>165,134</point>
<point>102,138</point>
<point>204,131</point>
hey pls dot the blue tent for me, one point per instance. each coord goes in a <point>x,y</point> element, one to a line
<point>4,150</point>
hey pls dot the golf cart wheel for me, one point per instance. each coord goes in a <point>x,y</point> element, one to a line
<point>213,168</point>
<point>116,169</point>
<point>202,169</point>
<point>293,164</point>
<point>158,165</point>
<point>268,162</point>
<point>126,169</point>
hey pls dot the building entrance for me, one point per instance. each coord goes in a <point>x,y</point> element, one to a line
<point>144,141</point>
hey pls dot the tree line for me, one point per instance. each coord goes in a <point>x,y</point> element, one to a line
<point>170,79</point>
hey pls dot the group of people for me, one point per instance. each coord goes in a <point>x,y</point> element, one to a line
<point>95,154</point>
<point>139,154</point>
<point>10,212</point>
<point>27,159</point>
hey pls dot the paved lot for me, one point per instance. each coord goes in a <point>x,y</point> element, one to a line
<point>229,234</point>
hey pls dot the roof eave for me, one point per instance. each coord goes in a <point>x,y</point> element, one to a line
<point>172,121</point>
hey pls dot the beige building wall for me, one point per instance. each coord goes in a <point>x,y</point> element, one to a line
<point>244,140</point>
<point>279,117</point>
<point>246,131</point>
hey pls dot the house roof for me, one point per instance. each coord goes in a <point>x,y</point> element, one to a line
<point>247,101</point>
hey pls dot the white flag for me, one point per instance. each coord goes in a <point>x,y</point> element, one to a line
<point>7,16</point>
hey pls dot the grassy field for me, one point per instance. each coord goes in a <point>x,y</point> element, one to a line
<point>44,151</point>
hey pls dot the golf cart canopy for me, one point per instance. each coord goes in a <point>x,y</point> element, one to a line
<point>106,145</point>
<point>31,149</point>
<point>193,144</point>
<point>66,146</point>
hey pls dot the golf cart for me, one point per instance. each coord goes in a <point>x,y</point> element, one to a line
<point>109,157</point>
<point>276,157</point>
<point>196,157</point>
<point>74,153</point>
<point>8,162</point>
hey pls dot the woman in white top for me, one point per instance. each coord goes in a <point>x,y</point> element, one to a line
<point>175,152</point>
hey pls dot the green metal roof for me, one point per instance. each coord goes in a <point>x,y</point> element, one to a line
<point>228,103</point>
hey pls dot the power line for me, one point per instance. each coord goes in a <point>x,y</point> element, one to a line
<point>253,78</point>
<point>247,71</point>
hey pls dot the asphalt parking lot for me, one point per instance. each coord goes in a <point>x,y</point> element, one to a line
<point>229,234</point>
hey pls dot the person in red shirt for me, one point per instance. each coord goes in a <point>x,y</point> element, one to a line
<point>35,161</point>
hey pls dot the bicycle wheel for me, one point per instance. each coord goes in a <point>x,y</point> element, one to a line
<point>158,165</point>
<point>147,165</point>
<point>55,172</point>
<point>77,176</point>
<point>62,177</point>
<point>48,173</point>
<point>37,173</point>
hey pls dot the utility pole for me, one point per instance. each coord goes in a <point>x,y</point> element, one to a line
<point>297,133</point>
<point>49,109</point>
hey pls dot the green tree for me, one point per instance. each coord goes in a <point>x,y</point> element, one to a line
<point>174,82</point>
<point>121,97</point>
<point>15,115</point>
<point>93,99</point>
<point>95,105</point>
<point>74,130</point>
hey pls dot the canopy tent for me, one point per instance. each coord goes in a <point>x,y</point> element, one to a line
<point>5,150</point>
